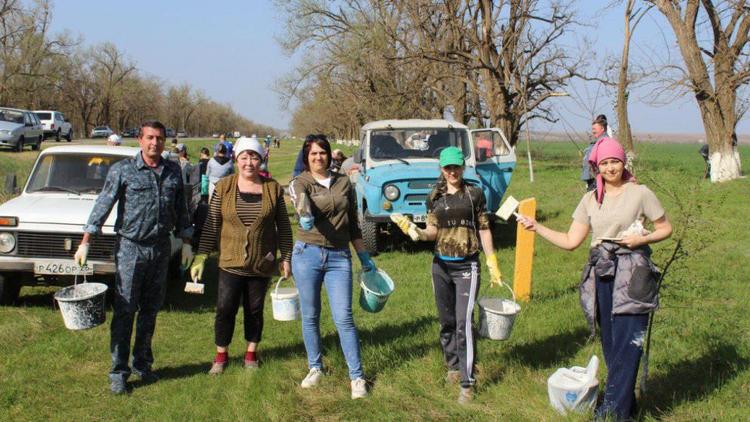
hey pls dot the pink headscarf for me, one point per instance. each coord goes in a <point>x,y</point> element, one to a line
<point>607,148</point>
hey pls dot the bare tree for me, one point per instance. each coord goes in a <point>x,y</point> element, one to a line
<point>714,70</point>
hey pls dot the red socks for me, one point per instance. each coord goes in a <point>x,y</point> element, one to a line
<point>250,356</point>
<point>221,357</point>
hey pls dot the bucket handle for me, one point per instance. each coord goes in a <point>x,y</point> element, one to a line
<point>282,278</point>
<point>509,288</point>
<point>75,279</point>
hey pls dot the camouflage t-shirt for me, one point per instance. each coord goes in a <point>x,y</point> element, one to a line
<point>458,217</point>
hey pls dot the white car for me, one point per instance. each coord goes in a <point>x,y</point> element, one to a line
<point>101,132</point>
<point>40,230</point>
<point>55,125</point>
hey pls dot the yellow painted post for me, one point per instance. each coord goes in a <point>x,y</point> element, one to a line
<point>524,252</point>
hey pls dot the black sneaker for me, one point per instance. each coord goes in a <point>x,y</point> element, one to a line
<point>148,376</point>
<point>118,386</point>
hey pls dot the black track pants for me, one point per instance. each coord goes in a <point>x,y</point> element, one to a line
<point>456,285</point>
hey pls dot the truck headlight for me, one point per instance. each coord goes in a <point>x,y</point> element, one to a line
<point>391,192</point>
<point>7,242</point>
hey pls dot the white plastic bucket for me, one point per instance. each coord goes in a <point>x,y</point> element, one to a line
<point>574,389</point>
<point>496,316</point>
<point>285,302</point>
<point>82,305</point>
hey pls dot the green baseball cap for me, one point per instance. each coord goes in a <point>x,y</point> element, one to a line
<point>451,156</point>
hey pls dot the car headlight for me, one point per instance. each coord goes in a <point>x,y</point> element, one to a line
<point>5,133</point>
<point>391,192</point>
<point>7,242</point>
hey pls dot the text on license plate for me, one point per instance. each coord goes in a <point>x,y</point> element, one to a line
<point>420,218</point>
<point>60,267</point>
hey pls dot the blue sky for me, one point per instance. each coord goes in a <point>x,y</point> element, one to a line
<point>227,49</point>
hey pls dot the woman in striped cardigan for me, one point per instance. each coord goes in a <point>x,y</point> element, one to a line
<point>248,223</point>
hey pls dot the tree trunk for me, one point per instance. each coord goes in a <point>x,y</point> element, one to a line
<point>623,120</point>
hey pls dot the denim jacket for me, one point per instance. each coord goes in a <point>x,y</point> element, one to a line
<point>150,202</point>
<point>632,272</point>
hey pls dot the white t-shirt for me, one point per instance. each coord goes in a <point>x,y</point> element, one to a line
<point>617,213</point>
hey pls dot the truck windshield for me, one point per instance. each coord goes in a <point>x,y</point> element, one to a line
<point>74,173</point>
<point>402,144</point>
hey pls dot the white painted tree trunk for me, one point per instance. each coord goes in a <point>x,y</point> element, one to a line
<point>726,166</point>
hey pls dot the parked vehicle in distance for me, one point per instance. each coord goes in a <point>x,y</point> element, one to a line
<point>181,134</point>
<point>214,135</point>
<point>55,125</point>
<point>19,128</point>
<point>170,132</point>
<point>101,132</point>
<point>41,228</point>
<point>130,133</point>
<point>399,167</point>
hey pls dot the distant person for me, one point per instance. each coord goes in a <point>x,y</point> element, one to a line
<point>228,145</point>
<point>184,162</point>
<point>205,157</point>
<point>704,152</point>
<point>276,143</point>
<point>618,287</point>
<point>299,163</point>
<point>114,140</point>
<point>484,147</point>
<point>337,161</point>
<point>218,167</point>
<point>174,145</point>
<point>598,131</point>
<point>268,142</point>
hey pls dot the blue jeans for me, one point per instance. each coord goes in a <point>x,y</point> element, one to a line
<point>622,344</point>
<point>313,266</point>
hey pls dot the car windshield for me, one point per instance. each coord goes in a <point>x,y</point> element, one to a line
<point>75,173</point>
<point>44,116</point>
<point>402,144</point>
<point>11,116</point>
<point>101,128</point>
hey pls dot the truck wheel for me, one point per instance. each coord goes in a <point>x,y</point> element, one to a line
<point>9,288</point>
<point>57,136</point>
<point>370,237</point>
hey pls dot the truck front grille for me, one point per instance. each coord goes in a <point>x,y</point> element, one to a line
<point>53,245</point>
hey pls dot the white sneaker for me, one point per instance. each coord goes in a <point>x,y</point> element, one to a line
<point>359,388</point>
<point>312,379</point>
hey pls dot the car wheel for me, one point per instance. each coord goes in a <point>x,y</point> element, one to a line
<point>10,287</point>
<point>69,136</point>
<point>19,145</point>
<point>57,136</point>
<point>38,144</point>
<point>371,237</point>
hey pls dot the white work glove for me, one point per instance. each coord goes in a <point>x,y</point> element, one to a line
<point>187,255</point>
<point>81,254</point>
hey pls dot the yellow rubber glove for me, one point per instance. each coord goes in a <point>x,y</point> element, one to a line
<point>196,270</point>
<point>407,226</point>
<point>496,277</point>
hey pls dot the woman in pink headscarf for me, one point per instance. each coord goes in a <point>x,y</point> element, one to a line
<point>618,287</point>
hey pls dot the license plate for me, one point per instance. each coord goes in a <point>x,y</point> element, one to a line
<point>60,267</point>
<point>420,218</point>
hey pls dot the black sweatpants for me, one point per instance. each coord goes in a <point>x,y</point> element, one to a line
<point>232,289</point>
<point>456,284</point>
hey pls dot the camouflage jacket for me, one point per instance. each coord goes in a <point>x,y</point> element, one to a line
<point>150,202</point>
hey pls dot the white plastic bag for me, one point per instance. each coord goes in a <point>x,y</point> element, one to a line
<point>574,388</point>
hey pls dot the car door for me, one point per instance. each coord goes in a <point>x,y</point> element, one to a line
<point>38,127</point>
<point>495,162</point>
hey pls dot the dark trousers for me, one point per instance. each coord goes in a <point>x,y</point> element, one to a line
<point>140,285</point>
<point>252,292</point>
<point>456,285</point>
<point>622,339</point>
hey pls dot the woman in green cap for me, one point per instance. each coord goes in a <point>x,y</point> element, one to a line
<point>457,221</point>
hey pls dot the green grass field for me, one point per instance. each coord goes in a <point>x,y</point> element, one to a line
<point>700,358</point>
